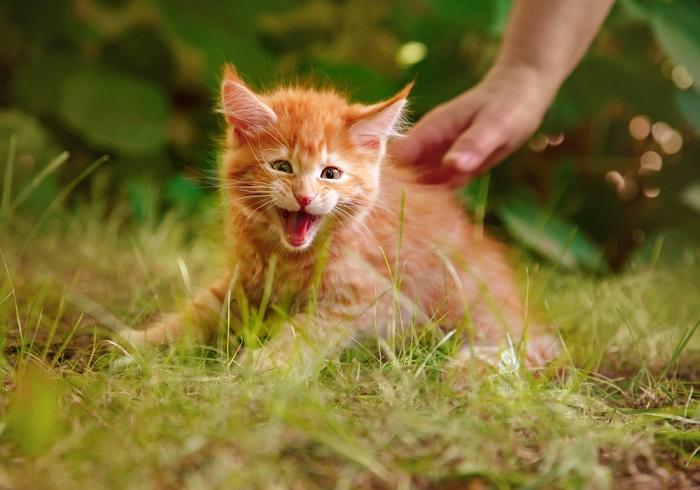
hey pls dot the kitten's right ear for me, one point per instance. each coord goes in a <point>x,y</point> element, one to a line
<point>244,111</point>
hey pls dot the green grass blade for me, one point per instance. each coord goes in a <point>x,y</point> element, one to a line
<point>680,347</point>
<point>9,173</point>
<point>480,204</point>
<point>65,192</point>
<point>53,165</point>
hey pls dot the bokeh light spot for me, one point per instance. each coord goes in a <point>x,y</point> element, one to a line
<point>411,53</point>
<point>681,77</point>
<point>674,143</point>
<point>651,192</point>
<point>539,143</point>
<point>661,132</point>
<point>649,162</point>
<point>640,127</point>
<point>625,186</point>
<point>555,139</point>
<point>614,178</point>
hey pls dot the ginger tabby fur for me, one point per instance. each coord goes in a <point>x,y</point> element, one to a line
<point>306,181</point>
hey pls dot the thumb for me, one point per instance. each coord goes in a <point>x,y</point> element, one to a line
<point>474,145</point>
<point>421,144</point>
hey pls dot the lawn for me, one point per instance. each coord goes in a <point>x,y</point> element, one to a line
<point>79,410</point>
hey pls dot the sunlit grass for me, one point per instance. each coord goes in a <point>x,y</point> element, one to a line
<point>78,410</point>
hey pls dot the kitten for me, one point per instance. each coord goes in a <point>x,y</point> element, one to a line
<point>317,211</point>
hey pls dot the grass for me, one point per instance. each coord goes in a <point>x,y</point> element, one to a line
<point>76,411</point>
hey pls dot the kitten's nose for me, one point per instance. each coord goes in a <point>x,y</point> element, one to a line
<point>303,201</point>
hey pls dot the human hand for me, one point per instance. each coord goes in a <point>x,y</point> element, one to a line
<point>476,130</point>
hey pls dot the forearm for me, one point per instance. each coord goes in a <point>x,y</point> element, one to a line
<point>549,37</point>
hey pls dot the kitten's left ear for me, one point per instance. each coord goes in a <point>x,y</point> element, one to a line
<point>244,111</point>
<point>374,125</point>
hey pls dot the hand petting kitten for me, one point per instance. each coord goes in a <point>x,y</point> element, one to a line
<point>466,136</point>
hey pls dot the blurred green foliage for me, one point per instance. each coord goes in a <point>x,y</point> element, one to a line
<point>137,79</point>
<point>33,412</point>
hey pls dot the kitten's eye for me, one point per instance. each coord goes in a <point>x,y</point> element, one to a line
<point>331,173</point>
<point>282,166</point>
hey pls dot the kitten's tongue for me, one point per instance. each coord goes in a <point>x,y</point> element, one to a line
<point>298,226</point>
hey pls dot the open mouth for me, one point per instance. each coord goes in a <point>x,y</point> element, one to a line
<point>298,226</point>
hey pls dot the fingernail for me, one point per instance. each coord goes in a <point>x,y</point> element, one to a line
<point>463,160</point>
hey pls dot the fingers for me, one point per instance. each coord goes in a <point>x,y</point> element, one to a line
<point>480,142</point>
<point>468,135</point>
<point>420,143</point>
<point>455,177</point>
<point>426,143</point>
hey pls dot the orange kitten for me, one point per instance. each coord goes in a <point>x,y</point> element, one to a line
<point>306,183</point>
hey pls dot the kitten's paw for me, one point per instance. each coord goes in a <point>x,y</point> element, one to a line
<point>260,361</point>
<point>162,332</point>
<point>283,354</point>
<point>135,338</point>
<point>278,356</point>
<point>468,364</point>
<point>541,350</point>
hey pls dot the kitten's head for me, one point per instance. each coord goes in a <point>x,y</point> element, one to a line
<point>299,159</point>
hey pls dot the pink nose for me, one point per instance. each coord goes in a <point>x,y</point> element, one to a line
<point>304,200</point>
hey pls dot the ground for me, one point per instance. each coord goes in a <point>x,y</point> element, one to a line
<point>619,410</point>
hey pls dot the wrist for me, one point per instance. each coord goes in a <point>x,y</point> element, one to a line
<point>531,78</point>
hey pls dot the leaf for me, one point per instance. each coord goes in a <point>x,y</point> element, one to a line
<point>687,440</point>
<point>501,11</point>
<point>33,415</point>
<point>614,80</point>
<point>217,33</point>
<point>678,31</point>
<point>141,51</point>
<point>675,26</point>
<point>113,110</point>
<point>365,84</point>
<point>490,15</point>
<point>185,193</point>
<point>552,238</point>
<point>144,198</point>
<point>42,20</point>
<point>32,138</point>
<point>38,82</point>
<point>688,104</point>
<point>35,148</point>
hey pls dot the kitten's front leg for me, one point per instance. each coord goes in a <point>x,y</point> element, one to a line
<point>199,320</point>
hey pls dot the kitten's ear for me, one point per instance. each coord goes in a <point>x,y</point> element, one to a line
<point>374,125</point>
<point>244,111</point>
